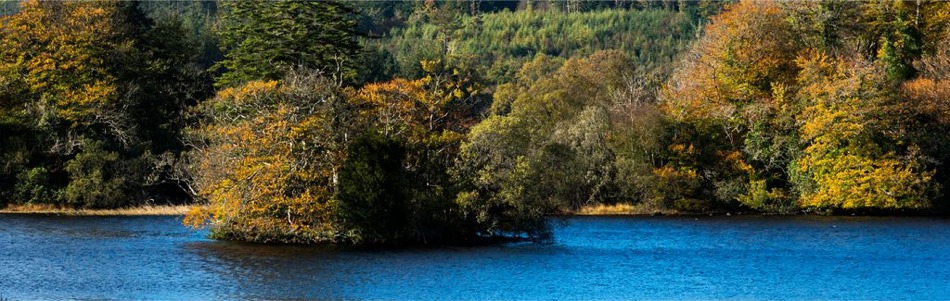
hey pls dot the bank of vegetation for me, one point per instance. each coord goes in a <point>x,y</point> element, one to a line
<point>460,122</point>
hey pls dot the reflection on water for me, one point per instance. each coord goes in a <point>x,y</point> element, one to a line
<point>45,257</point>
<point>269,271</point>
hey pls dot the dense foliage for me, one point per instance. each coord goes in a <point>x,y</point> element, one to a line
<point>799,105</point>
<point>91,103</point>
<point>497,44</point>
<point>572,133</point>
<point>264,39</point>
<point>461,121</point>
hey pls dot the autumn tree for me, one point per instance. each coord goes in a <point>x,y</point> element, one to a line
<point>927,98</point>
<point>54,55</point>
<point>781,106</point>
<point>734,130</point>
<point>267,159</point>
<point>303,160</point>
<point>851,127</point>
<point>428,117</point>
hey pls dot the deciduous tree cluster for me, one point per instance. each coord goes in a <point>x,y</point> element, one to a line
<point>813,105</point>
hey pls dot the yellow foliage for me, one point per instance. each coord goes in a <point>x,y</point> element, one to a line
<point>759,196</point>
<point>673,185</point>
<point>735,158</point>
<point>267,164</point>
<point>428,114</point>
<point>58,49</point>
<point>847,107</point>
<point>852,182</point>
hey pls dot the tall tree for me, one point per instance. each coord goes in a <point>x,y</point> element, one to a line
<point>554,145</point>
<point>89,92</point>
<point>429,117</point>
<point>262,40</point>
<point>734,124</point>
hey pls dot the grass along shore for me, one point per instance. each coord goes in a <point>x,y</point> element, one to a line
<point>621,209</point>
<point>137,210</point>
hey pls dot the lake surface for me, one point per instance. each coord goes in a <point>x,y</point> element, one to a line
<point>737,257</point>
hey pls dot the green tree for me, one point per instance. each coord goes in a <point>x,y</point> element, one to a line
<point>499,43</point>
<point>563,141</point>
<point>372,202</point>
<point>262,40</point>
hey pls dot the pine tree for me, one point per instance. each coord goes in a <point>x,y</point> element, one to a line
<point>264,39</point>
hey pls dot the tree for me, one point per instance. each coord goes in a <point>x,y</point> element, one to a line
<point>501,42</point>
<point>372,200</point>
<point>56,53</point>
<point>788,97</point>
<point>571,136</point>
<point>730,110</point>
<point>267,159</point>
<point>927,98</point>
<point>428,117</point>
<point>263,40</point>
<point>851,152</point>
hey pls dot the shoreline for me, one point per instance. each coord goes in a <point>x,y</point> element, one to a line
<point>146,210</point>
<point>621,209</point>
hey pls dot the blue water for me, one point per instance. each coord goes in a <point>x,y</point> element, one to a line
<point>607,258</point>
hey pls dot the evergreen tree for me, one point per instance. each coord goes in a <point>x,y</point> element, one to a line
<point>262,40</point>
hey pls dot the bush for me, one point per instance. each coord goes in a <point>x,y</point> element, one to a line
<point>33,187</point>
<point>371,202</point>
<point>96,178</point>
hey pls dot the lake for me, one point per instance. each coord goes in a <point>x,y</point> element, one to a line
<point>728,257</point>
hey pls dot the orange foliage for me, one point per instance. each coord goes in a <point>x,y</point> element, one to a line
<point>743,53</point>
<point>932,97</point>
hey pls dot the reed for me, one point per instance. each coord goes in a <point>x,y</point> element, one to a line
<point>137,210</point>
<point>622,209</point>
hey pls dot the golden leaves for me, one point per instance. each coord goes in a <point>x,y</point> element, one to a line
<point>262,159</point>
<point>417,111</point>
<point>743,54</point>
<point>60,48</point>
<point>846,111</point>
